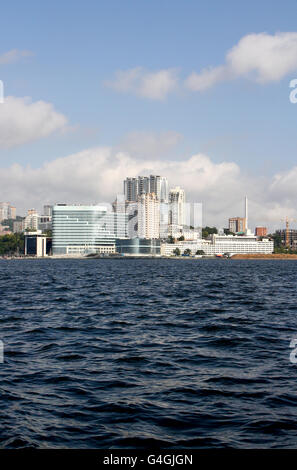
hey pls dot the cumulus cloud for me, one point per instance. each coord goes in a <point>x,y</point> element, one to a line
<point>96,175</point>
<point>22,121</point>
<point>14,55</point>
<point>140,82</point>
<point>150,145</point>
<point>261,57</point>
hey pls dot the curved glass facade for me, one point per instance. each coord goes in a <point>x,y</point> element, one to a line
<point>138,246</point>
<point>86,229</point>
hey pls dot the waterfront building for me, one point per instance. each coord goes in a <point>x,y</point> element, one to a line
<point>83,229</point>
<point>37,244</point>
<point>138,246</point>
<point>222,244</point>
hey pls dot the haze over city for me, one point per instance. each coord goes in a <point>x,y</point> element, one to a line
<point>200,98</point>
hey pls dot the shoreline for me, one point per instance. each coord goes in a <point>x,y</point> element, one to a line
<point>258,256</point>
<point>282,256</point>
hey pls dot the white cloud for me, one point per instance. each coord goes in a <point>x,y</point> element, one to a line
<point>22,121</point>
<point>149,145</point>
<point>206,78</point>
<point>261,57</point>
<point>96,175</point>
<point>152,85</point>
<point>13,56</point>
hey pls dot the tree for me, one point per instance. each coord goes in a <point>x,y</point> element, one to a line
<point>176,252</point>
<point>200,252</point>
<point>48,233</point>
<point>181,238</point>
<point>208,230</point>
<point>187,252</point>
<point>11,244</point>
<point>228,232</point>
<point>170,239</point>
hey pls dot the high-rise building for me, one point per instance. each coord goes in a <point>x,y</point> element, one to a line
<point>148,216</point>
<point>177,201</point>
<point>237,224</point>
<point>159,186</point>
<point>7,211</point>
<point>83,229</point>
<point>134,187</point>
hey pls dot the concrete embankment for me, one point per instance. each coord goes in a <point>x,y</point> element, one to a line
<point>263,256</point>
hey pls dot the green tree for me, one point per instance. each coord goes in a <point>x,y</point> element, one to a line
<point>228,232</point>
<point>200,252</point>
<point>187,252</point>
<point>176,252</point>
<point>181,238</point>
<point>12,244</point>
<point>208,231</point>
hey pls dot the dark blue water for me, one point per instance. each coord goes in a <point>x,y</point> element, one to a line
<point>143,353</point>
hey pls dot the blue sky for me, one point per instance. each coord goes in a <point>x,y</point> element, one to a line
<point>75,50</point>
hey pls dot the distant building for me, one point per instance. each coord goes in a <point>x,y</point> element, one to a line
<point>4,230</point>
<point>12,212</point>
<point>82,229</point>
<point>44,223</point>
<point>261,231</point>
<point>135,187</point>
<point>7,211</point>
<point>177,201</point>
<point>31,220</point>
<point>18,226</point>
<point>292,237</point>
<point>47,210</point>
<point>237,224</point>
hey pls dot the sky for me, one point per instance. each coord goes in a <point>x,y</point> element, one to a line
<point>197,91</point>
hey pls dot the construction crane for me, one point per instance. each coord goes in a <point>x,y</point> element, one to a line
<point>287,221</point>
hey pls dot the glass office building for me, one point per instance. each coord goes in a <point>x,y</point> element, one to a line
<point>80,230</point>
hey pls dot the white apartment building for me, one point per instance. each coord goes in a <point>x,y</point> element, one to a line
<point>31,220</point>
<point>221,244</point>
<point>148,207</point>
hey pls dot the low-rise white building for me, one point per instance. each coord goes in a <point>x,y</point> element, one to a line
<point>221,244</point>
